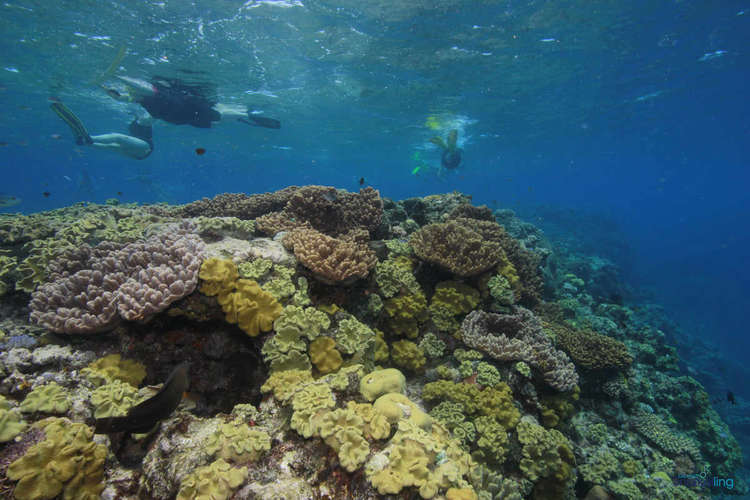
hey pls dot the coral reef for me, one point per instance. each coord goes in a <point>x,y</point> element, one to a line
<point>474,360</point>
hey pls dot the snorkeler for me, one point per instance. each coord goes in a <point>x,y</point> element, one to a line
<point>451,157</point>
<point>138,145</point>
<point>180,103</point>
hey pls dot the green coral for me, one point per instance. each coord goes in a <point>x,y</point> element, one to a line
<point>236,442</point>
<point>394,276</point>
<point>494,401</point>
<point>254,269</point>
<point>310,400</point>
<point>523,369</point>
<point>450,300</point>
<point>487,374</point>
<point>354,337</point>
<point>466,369</point>
<point>547,459</point>
<point>432,346</point>
<point>280,288</point>
<point>113,367</point>
<point>405,313</point>
<point>287,348</point>
<point>423,458</point>
<point>467,355</point>
<point>600,467</point>
<point>407,354</point>
<point>501,291</point>
<point>285,383</point>
<point>11,423</point>
<point>48,398</point>
<point>217,480</point>
<point>449,413</point>
<point>66,462</point>
<point>341,429</point>
<point>114,399</point>
<point>382,353</point>
<point>492,445</point>
<point>308,320</point>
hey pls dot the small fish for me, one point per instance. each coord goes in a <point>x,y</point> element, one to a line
<point>67,178</point>
<point>730,398</point>
<point>3,143</point>
<point>200,151</point>
<point>145,415</point>
<point>57,137</point>
<point>361,181</point>
<point>46,194</point>
<point>7,200</point>
<point>416,170</point>
<point>712,55</point>
<point>119,193</point>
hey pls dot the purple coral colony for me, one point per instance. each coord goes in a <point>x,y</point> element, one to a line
<point>339,345</point>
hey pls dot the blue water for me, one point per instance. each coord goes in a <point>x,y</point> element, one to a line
<point>634,111</point>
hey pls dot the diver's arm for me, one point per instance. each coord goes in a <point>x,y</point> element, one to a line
<point>120,143</point>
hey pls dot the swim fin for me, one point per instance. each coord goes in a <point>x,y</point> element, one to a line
<point>452,139</point>
<point>79,131</point>
<point>260,121</point>
<point>439,142</point>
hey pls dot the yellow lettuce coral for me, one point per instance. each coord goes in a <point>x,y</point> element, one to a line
<point>217,480</point>
<point>324,354</point>
<point>66,462</point>
<point>112,367</point>
<point>252,309</point>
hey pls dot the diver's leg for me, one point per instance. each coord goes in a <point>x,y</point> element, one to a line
<point>124,144</point>
<point>76,126</point>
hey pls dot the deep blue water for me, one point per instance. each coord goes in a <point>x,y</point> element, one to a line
<point>634,111</point>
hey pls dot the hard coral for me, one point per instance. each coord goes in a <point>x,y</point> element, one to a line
<point>590,349</point>
<point>519,337</point>
<point>332,260</point>
<point>91,285</point>
<point>456,248</point>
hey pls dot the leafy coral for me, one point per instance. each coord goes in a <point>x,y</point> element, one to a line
<point>48,398</point>
<point>67,461</point>
<point>217,480</point>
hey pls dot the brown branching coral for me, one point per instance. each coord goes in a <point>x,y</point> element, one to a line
<point>525,262</point>
<point>238,205</point>
<point>332,260</point>
<point>590,349</point>
<point>327,210</point>
<point>469,211</point>
<point>456,248</point>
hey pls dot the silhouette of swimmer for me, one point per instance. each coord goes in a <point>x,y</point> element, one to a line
<point>177,102</point>
<point>451,157</point>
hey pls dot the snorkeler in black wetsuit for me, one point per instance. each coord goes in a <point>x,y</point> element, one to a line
<point>180,103</point>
